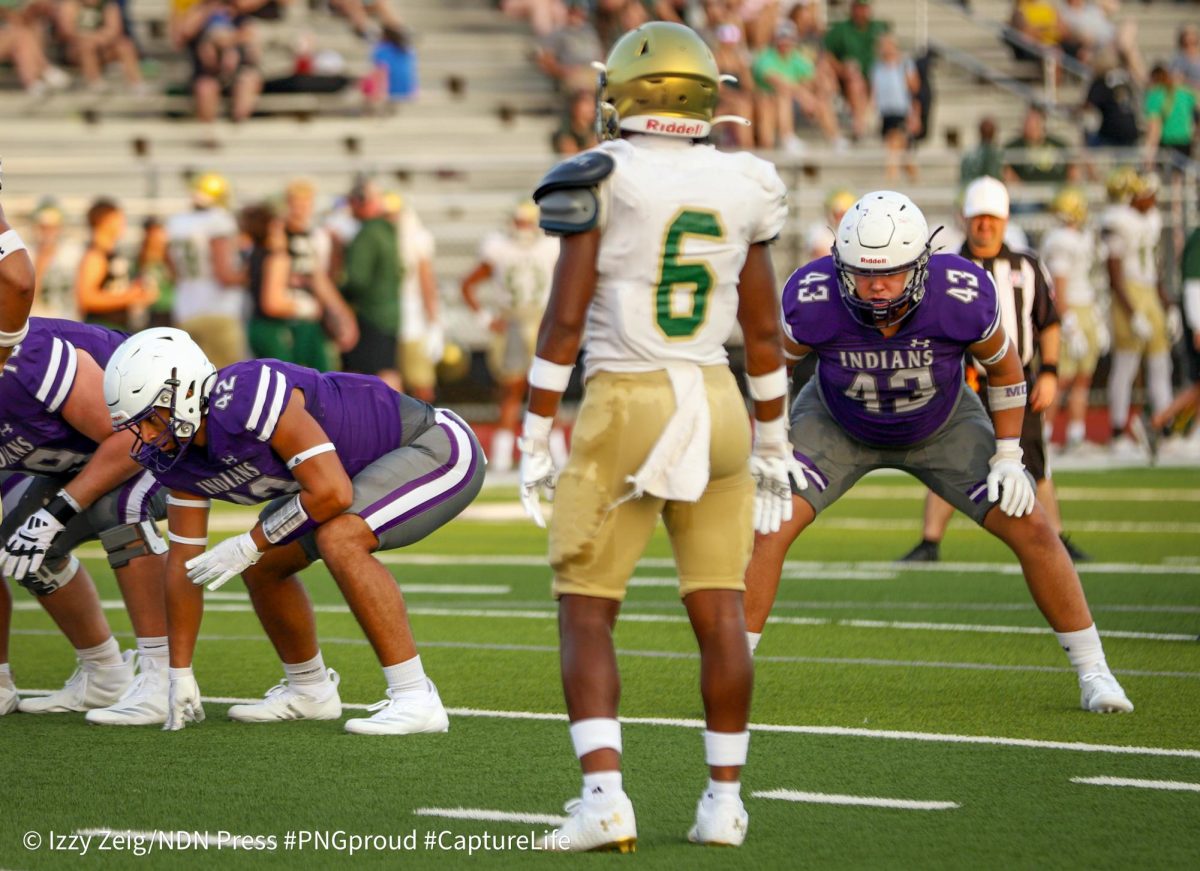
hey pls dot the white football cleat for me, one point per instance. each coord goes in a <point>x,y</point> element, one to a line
<point>602,825</point>
<point>403,715</point>
<point>286,702</point>
<point>91,686</point>
<point>143,704</point>
<point>720,821</point>
<point>1099,692</point>
<point>8,695</point>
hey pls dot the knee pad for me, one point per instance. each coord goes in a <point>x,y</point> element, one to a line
<point>127,542</point>
<point>53,574</point>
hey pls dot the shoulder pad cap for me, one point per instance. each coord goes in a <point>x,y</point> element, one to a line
<point>584,170</point>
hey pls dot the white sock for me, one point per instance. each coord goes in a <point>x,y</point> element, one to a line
<point>1076,430</point>
<point>106,655</point>
<point>1084,649</point>
<point>154,646</point>
<point>1158,381</point>
<point>311,673</point>
<point>722,787</point>
<point>602,784</point>
<point>406,678</point>
<point>752,639</point>
<point>502,449</point>
<point>1120,386</point>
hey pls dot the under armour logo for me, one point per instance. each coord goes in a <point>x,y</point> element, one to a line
<point>6,429</point>
<point>229,460</point>
<point>919,343</point>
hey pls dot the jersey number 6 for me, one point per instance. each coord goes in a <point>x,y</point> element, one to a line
<point>677,276</point>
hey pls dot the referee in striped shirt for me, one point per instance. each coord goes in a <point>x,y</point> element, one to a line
<point>1030,317</point>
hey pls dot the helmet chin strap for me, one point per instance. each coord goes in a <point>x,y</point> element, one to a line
<point>731,119</point>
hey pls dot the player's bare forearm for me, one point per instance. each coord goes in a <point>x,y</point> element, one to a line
<point>561,332</point>
<point>758,316</point>
<point>188,532</point>
<point>109,468</point>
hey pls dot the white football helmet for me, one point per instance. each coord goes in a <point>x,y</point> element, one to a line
<point>163,372</point>
<point>884,233</point>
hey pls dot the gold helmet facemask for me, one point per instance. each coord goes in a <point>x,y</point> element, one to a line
<point>1070,204</point>
<point>660,78</point>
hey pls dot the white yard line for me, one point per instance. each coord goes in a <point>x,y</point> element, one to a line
<point>469,813</point>
<point>1173,785</point>
<point>855,800</point>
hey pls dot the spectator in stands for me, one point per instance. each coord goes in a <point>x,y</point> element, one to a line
<point>810,35</point>
<point>368,17</point>
<point>1035,158</point>
<point>309,250</point>
<point>545,16</point>
<point>785,78</point>
<point>566,55</point>
<point>154,267</point>
<point>20,45</point>
<point>851,44</point>
<point>422,335</point>
<point>395,64</point>
<point>1186,62</point>
<point>577,128</point>
<point>93,33</point>
<point>1113,95</point>
<point>1034,24</point>
<point>55,262</point>
<point>894,83</point>
<point>986,158</point>
<point>371,285</point>
<point>1088,31</point>
<point>224,56</point>
<point>759,19</point>
<point>108,295</point>
<point>210,298</point>
<point>1170,115</point>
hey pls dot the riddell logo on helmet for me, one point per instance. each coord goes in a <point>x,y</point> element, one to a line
<point>872,260</point>
<point>679,128</point>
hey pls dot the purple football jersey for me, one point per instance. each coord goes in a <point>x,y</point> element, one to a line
<point>360,414</point>
<point>35,384</point>
<point>895,391</point>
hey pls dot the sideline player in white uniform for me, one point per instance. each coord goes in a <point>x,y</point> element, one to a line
<point>520,263</point>
<point>665,246</point>
<point>1069,253</point>
<point>422,334</point>
<point>1143,320</point>
<point>210,297</point>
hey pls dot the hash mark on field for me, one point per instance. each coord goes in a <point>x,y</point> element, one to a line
<point>1175,785</point>
<point>856,800</point>
<point>468,813</point>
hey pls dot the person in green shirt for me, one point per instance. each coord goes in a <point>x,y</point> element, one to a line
<point>371,286</point>
<point>1171,112</point>
<point>786,77</point>
<point>851,44</point>
<point>986,158</point>
<point>1035,158</point>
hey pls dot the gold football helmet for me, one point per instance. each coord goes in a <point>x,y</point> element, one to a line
<point>1122,184</point>
<point>1070,204</point>
<point>210,189</point>
<point>660,78</point>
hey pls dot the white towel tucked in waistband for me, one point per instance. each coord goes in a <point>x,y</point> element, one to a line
<point>677,467</point>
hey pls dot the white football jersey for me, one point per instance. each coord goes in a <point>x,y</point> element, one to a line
<point>197,291</point>
<point>1133,238</point>
<point>1071,253</point>
<point>678,220</point>
<point>522,269</point>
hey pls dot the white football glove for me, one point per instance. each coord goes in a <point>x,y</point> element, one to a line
<point>227,560</point>
<point>435,343</point>
<point>1141,326</point>
<point>1074,337</point>
<point>774,467</point>
<point>26,548</point>
<point>183,703</point>
<point>1008,482</point>
<point>1174,324</point>
<point>538,472</point>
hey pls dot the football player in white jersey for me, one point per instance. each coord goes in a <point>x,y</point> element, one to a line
<point>210,297</point>
<point>1069,253</point>
<point>665,247</point>
<point>520,263</point>
<point>422,334</point>
<point>1143,319</point>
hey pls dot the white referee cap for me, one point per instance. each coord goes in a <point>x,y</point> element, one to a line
<point>985,196</point>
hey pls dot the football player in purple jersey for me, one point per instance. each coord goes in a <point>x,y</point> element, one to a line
<point>891,326</point>
<point>348,465</point>
<point>67,478</point>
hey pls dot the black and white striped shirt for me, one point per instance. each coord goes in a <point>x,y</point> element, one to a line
<point>1026,296</point>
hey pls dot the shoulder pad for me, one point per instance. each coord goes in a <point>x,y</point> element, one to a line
<point>581,171</point>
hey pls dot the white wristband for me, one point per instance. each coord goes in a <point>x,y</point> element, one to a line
<point>10,340</point>
<point>1005,396</point>
<point>772,385</point>
<point>1008,449</point>
<point>282,523</point>
<point>771,430</point>
<point>550,376</point>
<point>999,355</point>
<point>536,428</point>
<point>183,539</point>
<point>10,243</point>
<point>323,448</point>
